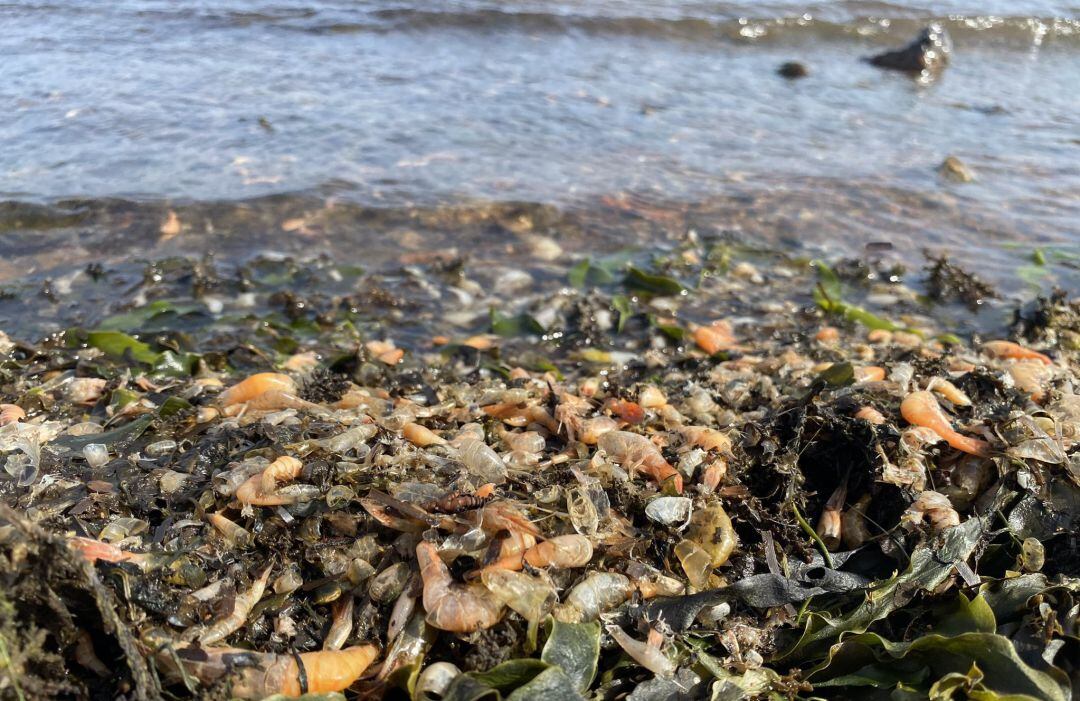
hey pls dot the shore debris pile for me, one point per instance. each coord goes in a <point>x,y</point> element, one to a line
<point>796,499</point>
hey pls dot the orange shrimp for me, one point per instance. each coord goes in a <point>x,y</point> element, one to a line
<point>636,452</point>
<point>715,337</point>
<point>259,489</point>
<point>93,550</point>
<point>1008,350</point>
<point>421,436</point>
<point>561,551</point>
<point>870,414</point>
<point>630,412</point>
<point>830,526</point>
<point>10,413</point>
<point>518,414</point>
<point>504,515</point>
<point>453,607</point>
<point>255,386</point>
<point>922,409</point>
<point>706,438</point>
<point>869,373</point>
<point>258,675</point>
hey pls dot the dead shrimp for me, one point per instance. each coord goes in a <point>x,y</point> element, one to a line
<point>590,430</point>
<point>256,386</point>
<point>706,438</point>
<point>869,373</point>
<point>505,516</point>
<point>242,606</point>
<point>936,508</point>
<point>948,390</point>
<point>520,414</point>
<point>922,409</point>
<point>715,337</point>
<point>10,413</point>
<point>341,625</point>
<point>1007,350</point>
<point>569,413</point>
<point>257,675</point>
<point>648,654</point>
<point>628,412</point>
<point>561,551</point>
<point>853,524</point>
<point>261,489</point>
<point>636,452</point>
<point>871,415</point>
<point>450,606</point>
<point>93,550</point>
<point>830,525</point>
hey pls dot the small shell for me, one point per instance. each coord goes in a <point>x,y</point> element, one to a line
<point>670,511</point>
<point>434,680</point>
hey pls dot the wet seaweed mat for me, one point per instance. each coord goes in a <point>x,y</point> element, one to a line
<point>708,473</point>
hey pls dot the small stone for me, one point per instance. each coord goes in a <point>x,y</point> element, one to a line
<point>793,70</point>
<point>952,168</point>
<point>928,53</point>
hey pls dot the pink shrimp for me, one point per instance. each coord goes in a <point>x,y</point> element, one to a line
<point>451,606</point>
<point>636,452</point>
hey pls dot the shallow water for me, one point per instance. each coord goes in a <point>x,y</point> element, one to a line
<point>615,123</point>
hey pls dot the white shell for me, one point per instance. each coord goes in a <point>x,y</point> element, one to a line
<point>670,511</point>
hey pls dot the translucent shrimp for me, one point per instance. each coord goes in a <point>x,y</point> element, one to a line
<point>922,409</point>
<point>636,452</point>
<point>10,413</point>
<point>233,532</point>
<point>1007,350</point>
<point>453,607</point>
<point>948,390</point>
<point>590,430</point>
<point>934,507</point>
<point>830,525</point>
<point>256,386</point>
<point>272,400</point>
<point>649,656</point>
<point>261,489</point>
<point>596,594</point>
<point>560,551</point>
<point>569,413</point>
<point>853,524</point>
<point>504,515</point>
<point>241,610</point>
<point>481,460</point>
<point>341,625</point>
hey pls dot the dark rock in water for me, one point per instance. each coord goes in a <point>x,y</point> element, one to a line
<point>793,69</point>
<point>929,52</point>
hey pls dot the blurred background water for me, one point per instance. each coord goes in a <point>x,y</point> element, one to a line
<point>250,118</point>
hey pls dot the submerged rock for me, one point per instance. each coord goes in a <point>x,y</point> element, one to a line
<point>952,168</point>
<point>793,70</point>
<point>929,52</point>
